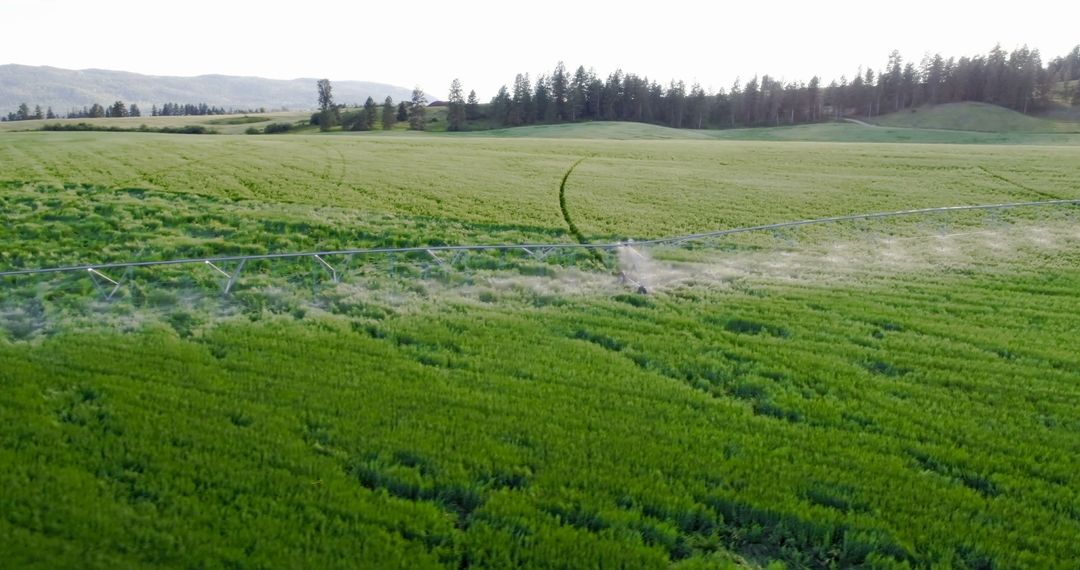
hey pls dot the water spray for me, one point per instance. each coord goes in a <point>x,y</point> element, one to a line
<point>624,277</point>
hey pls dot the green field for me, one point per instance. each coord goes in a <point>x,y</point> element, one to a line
<point>822,132</point>
<point>893,394</point>
<point>974,117</point>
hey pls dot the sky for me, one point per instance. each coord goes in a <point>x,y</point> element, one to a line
<point>485,44</point>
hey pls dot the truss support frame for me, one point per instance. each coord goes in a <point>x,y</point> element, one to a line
<point>235,275</point>
<point>333,272</point>
<point>97,277</point>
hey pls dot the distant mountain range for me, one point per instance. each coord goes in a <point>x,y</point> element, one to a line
<point>64,89</point>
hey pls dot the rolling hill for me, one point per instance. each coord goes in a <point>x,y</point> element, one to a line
<point>820,132</point>
<point>63,89</point>
<point>606,130</point>
<point>971,116</point>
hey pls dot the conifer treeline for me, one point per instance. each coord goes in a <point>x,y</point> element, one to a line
<point>180,110</point>
<point>1017,80</point>
<point>96,111</point>
<point>25,114</point>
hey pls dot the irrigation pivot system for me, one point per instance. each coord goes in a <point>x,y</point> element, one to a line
<point>108,286</point>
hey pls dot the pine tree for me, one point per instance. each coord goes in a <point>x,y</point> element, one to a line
<point>697,104</point>
<point>813,99</point>
<point>677,104</point>
<point>417,109</point>
<point>560,93</point>
<point>750,102</point>
<point>996,90</point>
<point>891,82</point>
<point>371,110</point>
<point>49,114</point>
<point>611,97</point>
<point>870,93</point>
<point>472,107</point>
<point>38,113</point>
<point>521,103</point>
<point>1034,83</point>
<point>735,102</point>
<point>402,112</point>
<point>134,111</point>
<point>593,97</point>
<point>933,74</point>
<point>542,101</point>
<point>637,102</point>
<point>388,115</point>
<point>96,111</point>
<point>355,121</point>
<point>455,118</point>
<point>577,97</point>
<point>500,107</point>
<point>23,113</point>
<point>653,95</point>
<point>118,109</point>
<point>909,81</point>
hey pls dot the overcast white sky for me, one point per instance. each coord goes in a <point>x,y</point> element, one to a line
<point>485,43</point>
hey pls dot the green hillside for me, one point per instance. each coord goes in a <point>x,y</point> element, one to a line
<point>885,394</point>
<point>980,117</point>
<point>822,132</point>
<point>612,130</point>
<point>848,132</point>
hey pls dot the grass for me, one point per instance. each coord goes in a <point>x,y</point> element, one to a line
<point>979,117</point>
<point>893,394</point>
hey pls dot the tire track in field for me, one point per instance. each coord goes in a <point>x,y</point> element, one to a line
<point>342,163</point>
<point>1040,193</point>
<point>566,212</point>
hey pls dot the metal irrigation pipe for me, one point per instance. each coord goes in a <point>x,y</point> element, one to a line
<point>533,249</point>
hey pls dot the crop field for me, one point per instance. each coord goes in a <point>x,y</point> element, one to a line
<point>898,393</point>
<point>225,124</point>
